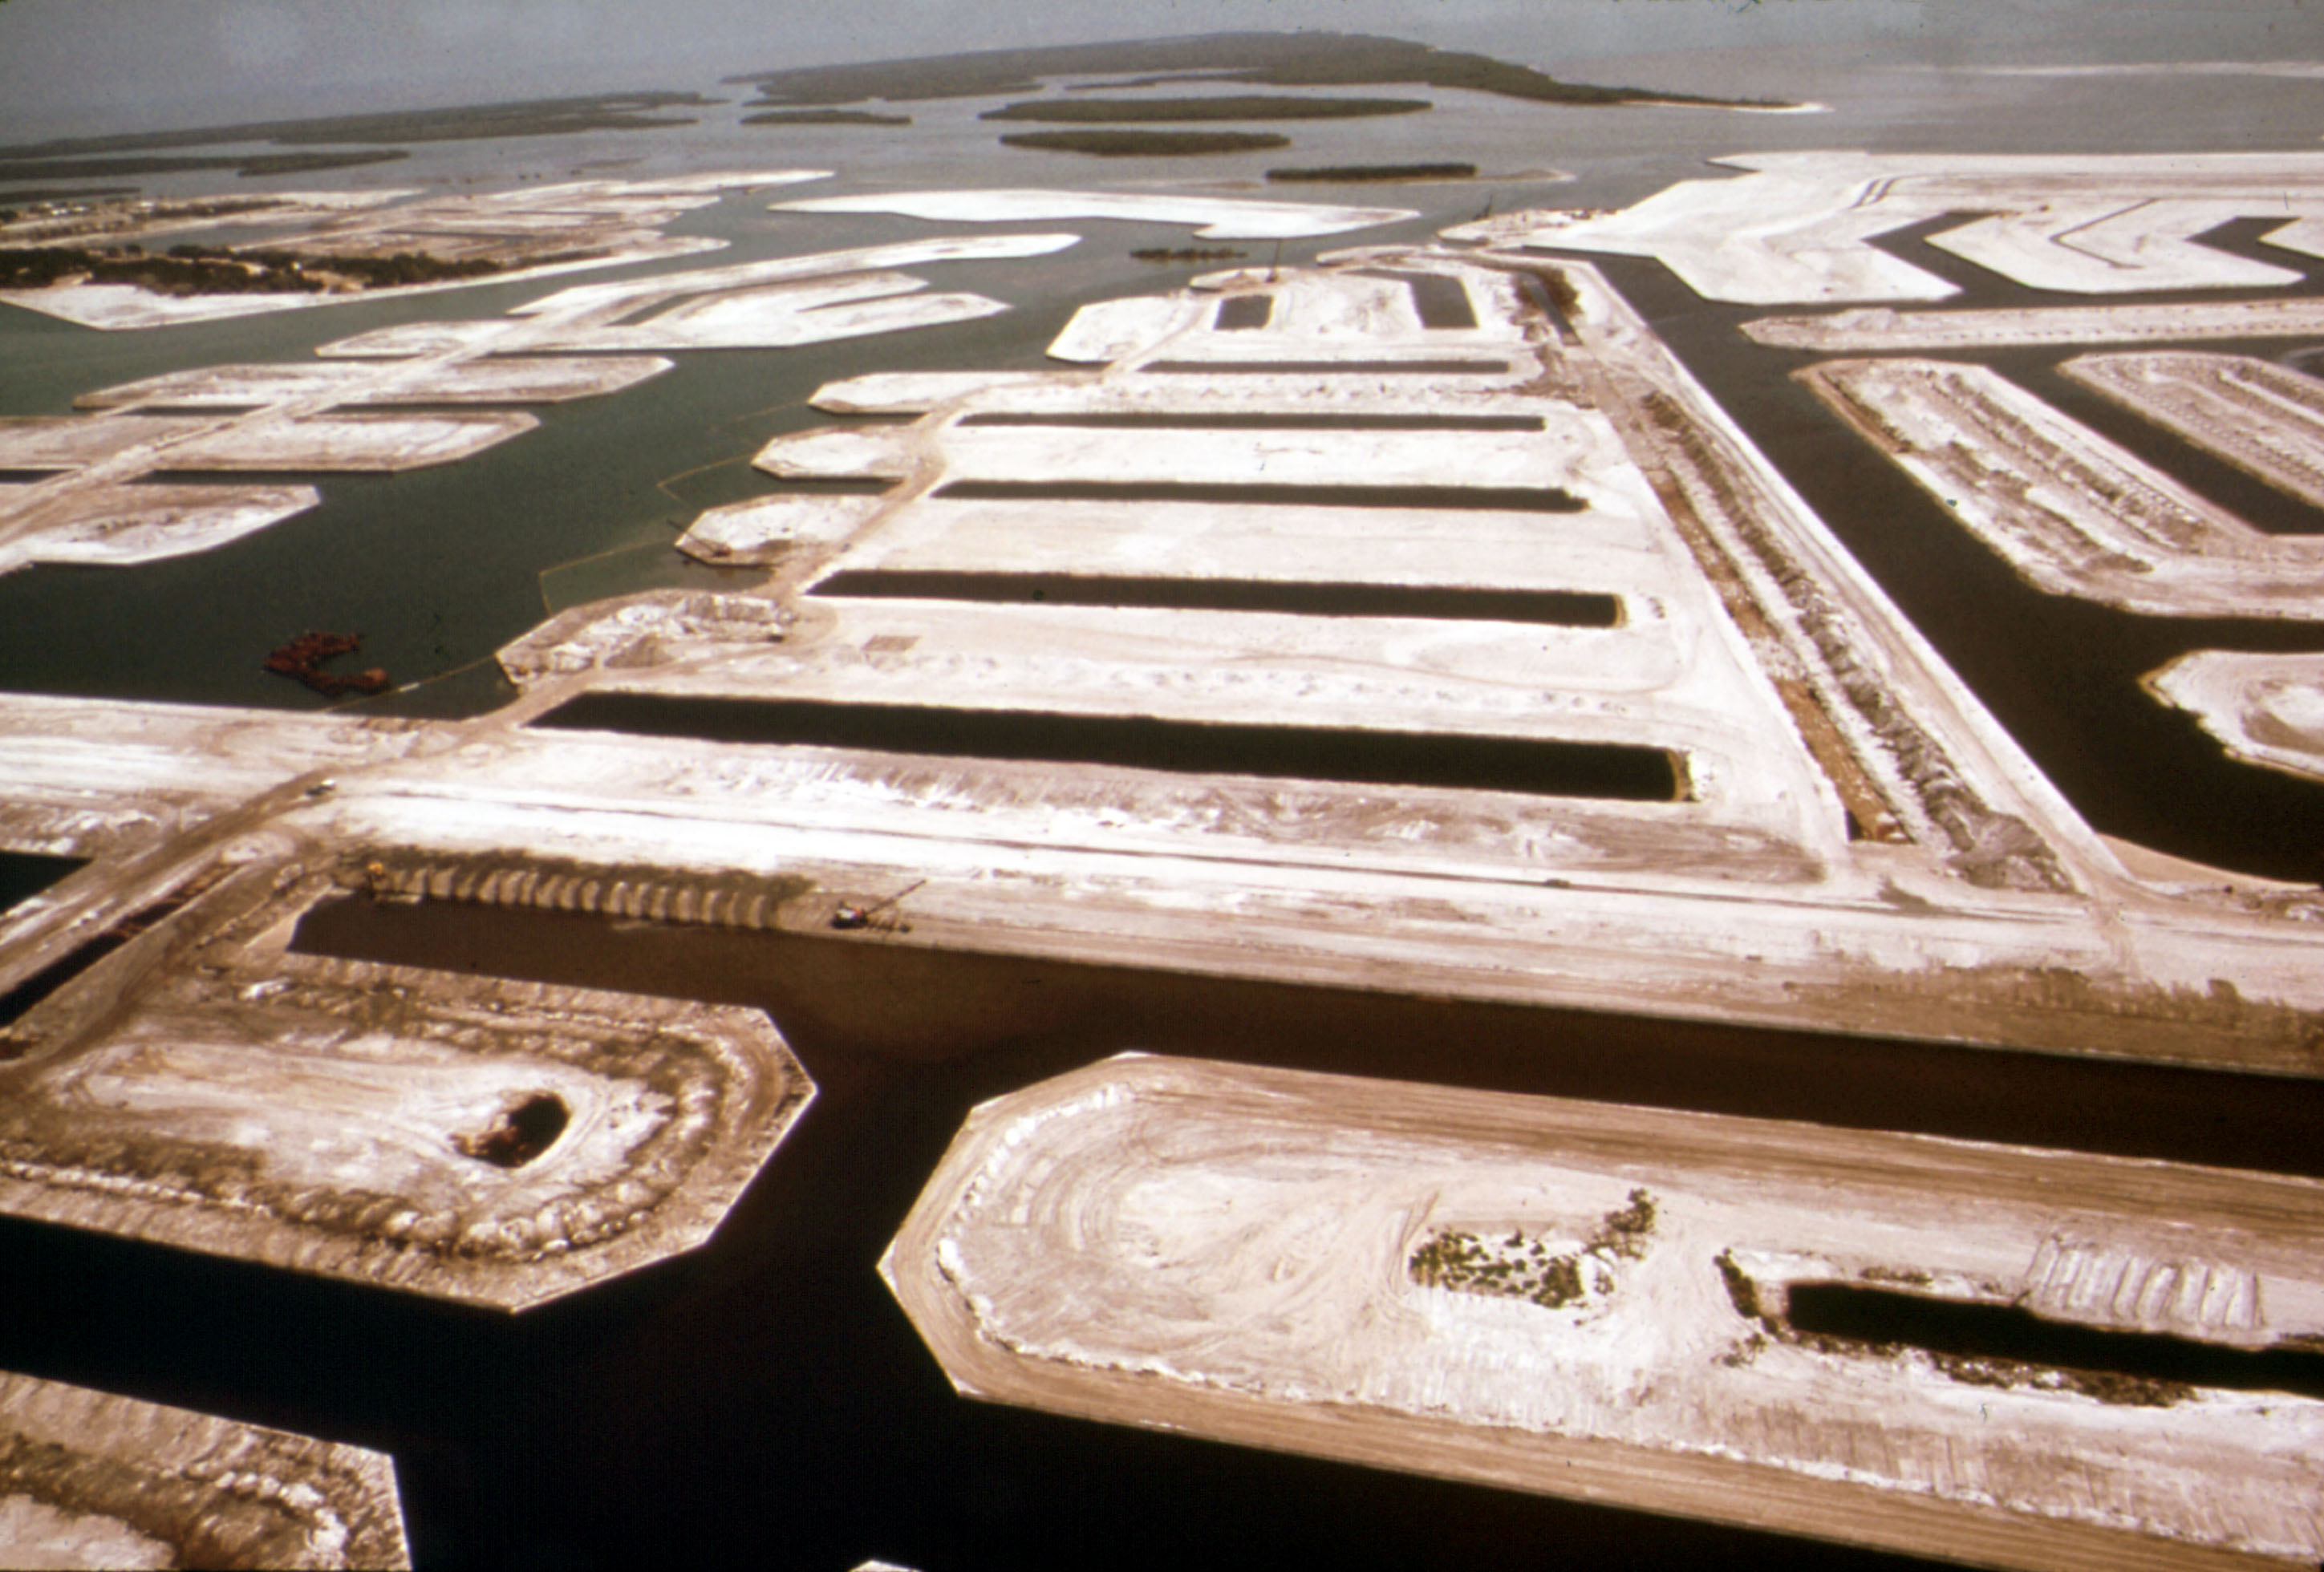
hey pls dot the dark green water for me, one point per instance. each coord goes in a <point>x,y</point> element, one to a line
<point>439,567</point>
<point>764,1398</point>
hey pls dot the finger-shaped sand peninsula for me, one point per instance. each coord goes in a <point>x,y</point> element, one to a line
<point>2033,1359</point>
<point>1802,227</point>
<point>2075,513</point>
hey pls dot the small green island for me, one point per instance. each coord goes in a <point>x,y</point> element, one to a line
<point>1356,174</point>
<point>825,117</point>
<point>196,269</point>
<point>1224,106</point>
<point>1276,59</point>
<point>1146,143</point>
<point>247,166</point>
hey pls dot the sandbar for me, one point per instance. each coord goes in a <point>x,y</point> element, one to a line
<point>1215,217</point>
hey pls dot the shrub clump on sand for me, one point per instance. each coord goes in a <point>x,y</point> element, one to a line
<point>1355,173</point>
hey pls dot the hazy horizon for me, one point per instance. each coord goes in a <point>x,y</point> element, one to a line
<point>67,67</point>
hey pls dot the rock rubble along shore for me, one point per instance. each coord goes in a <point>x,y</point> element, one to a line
<point>2265,420</point>
<point>2077,514</point>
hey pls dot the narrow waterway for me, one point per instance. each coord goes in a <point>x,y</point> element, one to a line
<point>764,1398</point>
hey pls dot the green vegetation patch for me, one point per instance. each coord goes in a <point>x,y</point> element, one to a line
<point>306,163</point>
<point>1278,60</point>
<point>246,166</point>
<point>825,117</point>
<point>1146,144</point>
<point>1188,254</point>
<point>1232,106</point>
<point>531,117</point>
<point>1523,1267</point>
<point>194,270</point>
<point>1356,173</point>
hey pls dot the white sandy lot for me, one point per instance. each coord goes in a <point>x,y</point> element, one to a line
<point>1799,226</point>
<point>2265,709</point>
<point>1216,218</point>
<point>1229,1252</point>
<point>1875,329</point>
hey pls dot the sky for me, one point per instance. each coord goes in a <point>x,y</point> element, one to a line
<point>82,66</point>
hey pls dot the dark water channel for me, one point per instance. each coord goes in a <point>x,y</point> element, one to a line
<point>2151,1361</point>
<point>765,1399</point>
<point>2061,673</point>
<point>23,874</point>
<point>1621,772</point>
